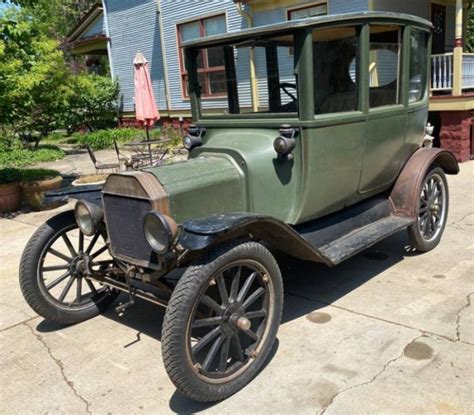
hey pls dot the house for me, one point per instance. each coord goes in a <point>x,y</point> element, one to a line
<point>113,31</point>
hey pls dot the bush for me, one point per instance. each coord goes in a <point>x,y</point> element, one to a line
<point>31,175</point>
<point>102,139</point>
<point>18,157</point>
<point>9,175</point>
<point>92,103</point>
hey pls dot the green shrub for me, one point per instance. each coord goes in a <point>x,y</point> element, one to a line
<point>102,139</point>
<point>92,103</point>
<point>9,175</point>
<point>31,175</point>
<point>18,157</point>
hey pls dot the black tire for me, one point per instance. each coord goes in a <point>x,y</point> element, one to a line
<point>421,240</point>
<point>33,285</point>
<point>178,324</point>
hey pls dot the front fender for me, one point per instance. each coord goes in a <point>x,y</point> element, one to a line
<point>200,234</point>
<point>406,191</point>
<point>92,193</point>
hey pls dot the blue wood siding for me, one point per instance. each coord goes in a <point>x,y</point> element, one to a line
<point>97,28</point>
<point>134,27</point>
<point>174,12</point>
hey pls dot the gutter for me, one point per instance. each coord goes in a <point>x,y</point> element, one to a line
<point>163,57</point>
<point>253,73</point>
<point>107,34</point>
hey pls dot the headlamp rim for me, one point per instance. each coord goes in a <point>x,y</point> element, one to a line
<point>167,227</point>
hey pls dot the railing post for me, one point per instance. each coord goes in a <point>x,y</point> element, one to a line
<point>457,52</point>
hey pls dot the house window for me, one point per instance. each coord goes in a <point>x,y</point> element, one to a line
<point>320,9</point>
<point>211,70</point>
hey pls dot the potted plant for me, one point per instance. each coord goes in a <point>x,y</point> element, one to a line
<point>35,182</point>
<point>10,191</point>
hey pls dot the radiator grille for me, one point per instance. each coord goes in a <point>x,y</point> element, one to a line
<point>124,218</point>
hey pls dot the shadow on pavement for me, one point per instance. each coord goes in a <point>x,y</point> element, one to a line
<point>315,284</point>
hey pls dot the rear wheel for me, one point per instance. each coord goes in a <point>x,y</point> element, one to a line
<point>52,271</point>
<point>432,211</point>
<point>222,321</point>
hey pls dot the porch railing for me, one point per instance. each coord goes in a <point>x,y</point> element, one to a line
<point>467,70</point>
<point>442,71</point>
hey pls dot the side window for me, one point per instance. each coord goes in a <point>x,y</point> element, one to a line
<point>335,52</point>
<point>418,65</point>
<point>384,65</point>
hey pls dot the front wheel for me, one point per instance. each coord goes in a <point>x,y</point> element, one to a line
<point>432,211</point>
<point>222,321</point>
<point>52,271</point>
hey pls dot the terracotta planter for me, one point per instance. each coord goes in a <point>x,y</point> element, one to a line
<point>33,192</point>
<point>10,197</point>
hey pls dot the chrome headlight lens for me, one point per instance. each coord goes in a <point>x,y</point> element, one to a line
<point>160,231</point>
<point>88,217</point>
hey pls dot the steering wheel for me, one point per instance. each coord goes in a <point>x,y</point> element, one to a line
<point>284,86</point>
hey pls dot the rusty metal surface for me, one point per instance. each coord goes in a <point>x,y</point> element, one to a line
<point>405,193</point>
<point>141,185</point>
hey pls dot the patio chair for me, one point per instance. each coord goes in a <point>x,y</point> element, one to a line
<point>130,162</point>
<point>101,166</point>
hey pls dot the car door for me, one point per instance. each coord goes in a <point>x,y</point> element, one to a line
<point>333,144</point>
<point>386,119</point>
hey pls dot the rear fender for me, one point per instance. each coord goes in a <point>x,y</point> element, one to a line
<point>406,191</point>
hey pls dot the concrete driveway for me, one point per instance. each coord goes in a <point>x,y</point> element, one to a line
<point>386,332</point>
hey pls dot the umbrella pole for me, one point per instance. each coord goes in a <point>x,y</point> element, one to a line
<point>149,146</point>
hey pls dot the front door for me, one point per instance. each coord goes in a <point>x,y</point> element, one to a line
<point>438,18</point>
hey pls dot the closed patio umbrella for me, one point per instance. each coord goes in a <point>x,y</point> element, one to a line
<point>146,111</point>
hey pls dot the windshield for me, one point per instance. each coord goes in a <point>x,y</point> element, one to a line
<point>251,77</point>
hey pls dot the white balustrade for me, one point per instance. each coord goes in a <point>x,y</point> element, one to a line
<point>467,70</point>
<point>442,72</point>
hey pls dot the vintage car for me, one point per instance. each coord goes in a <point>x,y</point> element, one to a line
<point>318,149</point>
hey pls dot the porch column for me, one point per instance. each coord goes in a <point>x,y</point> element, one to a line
<point>457,52</point>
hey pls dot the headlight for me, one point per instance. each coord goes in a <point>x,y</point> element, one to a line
<point>160,231</point>
<point>88,217</point>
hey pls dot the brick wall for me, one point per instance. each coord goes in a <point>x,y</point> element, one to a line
<point>455,133</point>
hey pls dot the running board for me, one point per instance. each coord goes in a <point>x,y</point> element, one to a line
<point>363,238</point>
<point>345,233</point>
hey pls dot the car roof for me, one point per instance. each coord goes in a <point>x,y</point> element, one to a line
<point>291,25</point>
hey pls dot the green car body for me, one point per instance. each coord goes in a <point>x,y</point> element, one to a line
<point>330,159</point>
<point>339,159</point>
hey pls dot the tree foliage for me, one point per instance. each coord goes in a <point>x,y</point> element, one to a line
<point>33,77</point>
<point>56,17</point>
<point>469,41</point>
<point>92,103</point>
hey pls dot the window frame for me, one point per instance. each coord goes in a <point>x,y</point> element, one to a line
<point>306,6</point>
<point>205,93</point>
<point>401,68</point>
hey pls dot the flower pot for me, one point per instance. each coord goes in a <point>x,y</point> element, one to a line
<point>33,192</point>
<point>10,197</point>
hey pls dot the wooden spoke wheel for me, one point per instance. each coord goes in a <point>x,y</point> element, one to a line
<point>432,211</point>
<point>222,321</point>
<point>54,267</point>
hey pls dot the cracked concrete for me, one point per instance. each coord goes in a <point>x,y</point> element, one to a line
<point>372,380</point>
<point>60,365</point>
<point>396,338</point>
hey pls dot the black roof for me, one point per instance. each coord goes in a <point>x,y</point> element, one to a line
<point>288,26</point>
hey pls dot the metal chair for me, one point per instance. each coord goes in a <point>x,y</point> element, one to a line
<point>101,166</point>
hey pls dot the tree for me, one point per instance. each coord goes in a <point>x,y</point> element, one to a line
<point>34,78</point>
<point>55,17</point>
<point>469,40</point>
<point>92,103</point>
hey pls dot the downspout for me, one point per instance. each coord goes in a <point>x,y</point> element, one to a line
<point>163,58</point>
<point>107,33</point>
<point>253,73</point>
